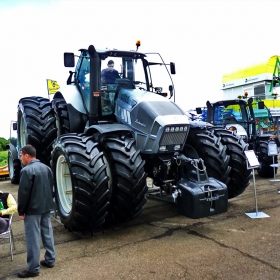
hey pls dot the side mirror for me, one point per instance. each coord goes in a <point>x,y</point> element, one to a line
<point>172,68</point>
<point>14,126</point>
<point>69,60</point>
<point>198,110</point>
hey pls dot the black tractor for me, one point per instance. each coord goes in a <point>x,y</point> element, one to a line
<point>112,126</point>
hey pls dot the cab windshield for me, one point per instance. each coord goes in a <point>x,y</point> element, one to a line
<point>114,71</point>
<point>132,70</point>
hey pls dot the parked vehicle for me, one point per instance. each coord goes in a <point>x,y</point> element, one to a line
<point>253,123</point>
<point>103,139</point>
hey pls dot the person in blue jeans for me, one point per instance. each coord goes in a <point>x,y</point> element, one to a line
<point>35,202</point>
<point>109,75</point>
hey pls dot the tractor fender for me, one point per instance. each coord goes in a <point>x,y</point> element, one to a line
<point>77,120</point>
<point>107,128</point>
<point>72,96</point>
<point>13,150</point>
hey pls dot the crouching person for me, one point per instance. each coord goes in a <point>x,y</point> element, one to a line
<point>9,208</point>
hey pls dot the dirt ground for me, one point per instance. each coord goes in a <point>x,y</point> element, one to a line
<point>161,244</point>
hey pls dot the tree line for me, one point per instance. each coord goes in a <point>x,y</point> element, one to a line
<point>4,142</point>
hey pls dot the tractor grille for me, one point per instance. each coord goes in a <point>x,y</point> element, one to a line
<point>173,138</point>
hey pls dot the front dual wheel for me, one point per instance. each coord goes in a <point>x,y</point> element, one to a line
<point>224,157</point>
<point>81,182</point>
<point>97,181</point>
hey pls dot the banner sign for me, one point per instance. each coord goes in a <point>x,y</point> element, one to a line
<point>53,86</point>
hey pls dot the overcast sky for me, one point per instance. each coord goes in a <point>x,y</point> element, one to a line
<point>206,39</point>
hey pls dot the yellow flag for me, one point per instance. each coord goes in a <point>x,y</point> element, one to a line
<point>53,86</point>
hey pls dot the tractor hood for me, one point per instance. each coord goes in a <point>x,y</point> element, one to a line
<point>140,109</point>
<point>154,119</point>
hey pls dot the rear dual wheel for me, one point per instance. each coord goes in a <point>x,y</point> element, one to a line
<point>37,127</point>
<point>14,166</point>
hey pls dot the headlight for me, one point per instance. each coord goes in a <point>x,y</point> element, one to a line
<point>173,138</point>
<point>162,148</point>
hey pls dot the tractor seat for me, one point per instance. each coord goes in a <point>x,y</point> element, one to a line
<point>124,83</point>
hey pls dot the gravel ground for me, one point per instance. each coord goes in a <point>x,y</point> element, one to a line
<point>161,244</point>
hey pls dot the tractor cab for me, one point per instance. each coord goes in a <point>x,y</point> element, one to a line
<point>250,116</point>
<point>105,72</point>
<point>230,113</point>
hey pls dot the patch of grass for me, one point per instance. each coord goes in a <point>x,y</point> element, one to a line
<point>3,158</point>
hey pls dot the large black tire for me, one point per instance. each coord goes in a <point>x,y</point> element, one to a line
<point>265,170</point>
<point>61,114</point>
<point>128,178</point>
<point>239,176</point>
<point>213,152</point>
<point>82,184</point>
<point>36,126</point>
<point>14,166</point>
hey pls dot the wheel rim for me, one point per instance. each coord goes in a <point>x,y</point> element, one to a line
<point>64,184</point>
<point>11,166</point>
<point>23,133</point>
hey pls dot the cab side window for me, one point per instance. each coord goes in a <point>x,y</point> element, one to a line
<point>84,81</point>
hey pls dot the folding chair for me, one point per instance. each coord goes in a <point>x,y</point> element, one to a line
<point>8,234</point>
